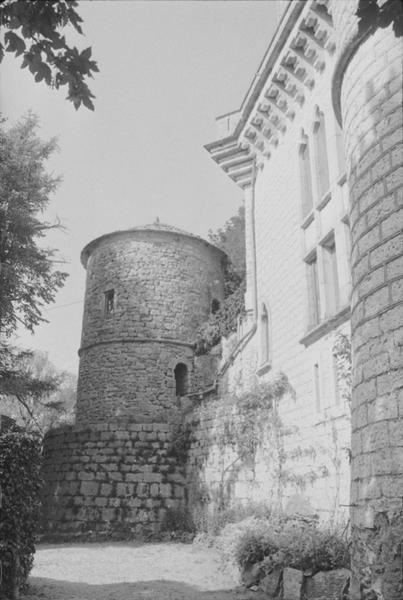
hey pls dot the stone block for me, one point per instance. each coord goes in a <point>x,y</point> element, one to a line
<point>179,491</point>
<point>154,490</point>
<point>166,490</point>
<point>85,476</point>
<point>251,574</point>
<point>101,501</point>
<point>292,583</point>
<point>271,583</point>
<point>124,489</point>
<point>108,514</point>
<point>89,488</point>
<point>134,477</point>
<point>326,585</point>
<point>106,489</point>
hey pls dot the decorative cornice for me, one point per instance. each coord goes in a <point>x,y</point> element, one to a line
<point>295,59</point>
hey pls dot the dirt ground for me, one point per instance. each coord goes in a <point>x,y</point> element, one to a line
<point>129,571</point>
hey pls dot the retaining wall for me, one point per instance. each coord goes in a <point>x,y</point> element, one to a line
<point>114,479</point>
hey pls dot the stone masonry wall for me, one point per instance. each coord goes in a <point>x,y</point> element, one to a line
<point>371,102</point>
<point>114,479</point>
<point>164,283</point>
<point>141,384</point>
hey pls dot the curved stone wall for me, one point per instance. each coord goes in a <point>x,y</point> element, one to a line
<point>113,479</point>
<point>369,88</point>
<point>163,283</point>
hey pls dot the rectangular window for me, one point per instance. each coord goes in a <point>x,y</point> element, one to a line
<point>322,165</point>
<point>306,185</point>
<point>313,291</point>
<point>332,290</point>
<point>109,302</point>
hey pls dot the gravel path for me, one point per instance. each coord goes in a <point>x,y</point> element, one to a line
<point>129,571</point>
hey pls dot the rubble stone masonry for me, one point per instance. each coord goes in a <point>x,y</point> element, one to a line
<point>110,479</point>
<point>371,104</point>
<point>163,283</point>
<point>116,472</point>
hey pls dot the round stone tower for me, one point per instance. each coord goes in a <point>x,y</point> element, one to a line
<point>148,289</point>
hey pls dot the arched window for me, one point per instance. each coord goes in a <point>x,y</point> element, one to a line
<point>321,159</point>
<point>305,175</point>
<point>215,305</point>
<point>264,336</point>
<point>181,379</point>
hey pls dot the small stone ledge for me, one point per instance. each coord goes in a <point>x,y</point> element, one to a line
<point>325,327</point>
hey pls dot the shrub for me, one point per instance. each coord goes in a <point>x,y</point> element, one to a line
<point>293,542</point>
<point>231,539</point>
<point>214,522</point>
<point>20,484</point>
<point>222,323</point>
<point>178,524</point>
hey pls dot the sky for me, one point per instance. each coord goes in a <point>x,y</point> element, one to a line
<point>167,70</point>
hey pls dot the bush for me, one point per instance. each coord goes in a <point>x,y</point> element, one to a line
<point>214,522</point>
<point>230,540</point>
<point>20,484</point>
<point>222,323</point>
<point>293,542</point>
<point>178,524</point>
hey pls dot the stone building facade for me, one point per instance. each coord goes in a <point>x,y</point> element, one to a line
<point>317,149</point>
<point>118,470</point>
<point>284,148</point>
<point>148,290</point>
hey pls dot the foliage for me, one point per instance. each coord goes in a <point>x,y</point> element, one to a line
<point>230,539</point>
<point>369,12</point>
<point>33,31</point>
<point>245,422</point>
<point>231,239</point>
<point>213,523</point>
<point>342,354</point>
<point>45,396</point>
<point>244,417</point>
<point>28,279</point>
<point>222,323</point>
<point>178,524</point>
<point>20,484</point>
<point>293,541</point>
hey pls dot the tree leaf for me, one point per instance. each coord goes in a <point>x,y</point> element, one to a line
<point>14,43</point>
<point>87,102</point>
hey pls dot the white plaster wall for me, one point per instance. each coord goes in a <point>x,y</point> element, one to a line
<point>281,244</point>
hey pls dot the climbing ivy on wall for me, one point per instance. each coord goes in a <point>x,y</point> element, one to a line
<point>246,428</point>
<point>342,355</point>
<point>222,323</point>
<point>242,421</point>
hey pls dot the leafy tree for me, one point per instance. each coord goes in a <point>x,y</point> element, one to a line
<point>223,322</point>
<point>231,239</point>
<point>372,13</point>
<point>28,279</point>
<point>32,30</point>
<point>46,396</point>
